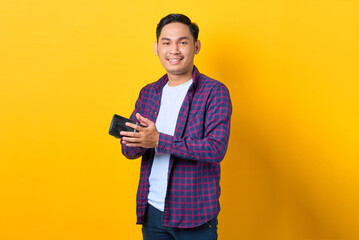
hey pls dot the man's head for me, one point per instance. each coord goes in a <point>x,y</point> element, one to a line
<point>176,46</point>
<point>180,18</point>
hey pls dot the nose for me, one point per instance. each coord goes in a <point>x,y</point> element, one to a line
<point>174,49</point>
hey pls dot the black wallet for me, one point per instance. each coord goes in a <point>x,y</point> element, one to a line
<point>118,125</point>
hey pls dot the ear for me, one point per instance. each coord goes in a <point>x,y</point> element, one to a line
<point>155,48</point>
<point>197,47</point>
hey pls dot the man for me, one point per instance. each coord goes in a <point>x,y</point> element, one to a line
<point>187,121</point>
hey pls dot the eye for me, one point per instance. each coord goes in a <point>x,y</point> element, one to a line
<point>183,42</point>
<point>166,43</point>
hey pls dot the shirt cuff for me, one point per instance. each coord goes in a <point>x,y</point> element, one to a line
<point>165,144</point>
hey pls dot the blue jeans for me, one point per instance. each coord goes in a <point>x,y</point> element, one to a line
<point>152,228</point>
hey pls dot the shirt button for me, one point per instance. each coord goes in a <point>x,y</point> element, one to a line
<point>164,149</point>
<point>155,113</point>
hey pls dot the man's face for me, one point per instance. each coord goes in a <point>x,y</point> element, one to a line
<point>176,49</point>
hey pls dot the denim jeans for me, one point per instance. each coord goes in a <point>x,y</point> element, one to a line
<point>152,228</point>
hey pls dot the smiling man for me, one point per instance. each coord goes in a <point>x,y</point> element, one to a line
<point>187,122</point>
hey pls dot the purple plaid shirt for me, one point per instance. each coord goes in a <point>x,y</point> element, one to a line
<point>197,148</point>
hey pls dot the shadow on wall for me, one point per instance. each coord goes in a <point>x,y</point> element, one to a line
<point>258,200</point>
<point>248,179</point>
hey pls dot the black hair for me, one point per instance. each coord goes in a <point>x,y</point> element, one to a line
<point>180,18</point>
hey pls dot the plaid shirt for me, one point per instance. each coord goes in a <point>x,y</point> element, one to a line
<point>197,148</point>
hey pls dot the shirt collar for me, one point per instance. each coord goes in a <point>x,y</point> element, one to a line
<point>164,79</point>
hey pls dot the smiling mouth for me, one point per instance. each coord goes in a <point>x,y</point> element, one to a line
<point>174,60</point>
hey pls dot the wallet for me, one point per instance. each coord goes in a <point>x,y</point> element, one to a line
<point>118,125</point>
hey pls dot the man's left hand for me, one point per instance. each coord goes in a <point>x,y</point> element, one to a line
<point>146,137</point>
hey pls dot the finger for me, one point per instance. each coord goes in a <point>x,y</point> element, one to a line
<point>131,140</point>
<point>134,126</point>
<point>143,120</point>
<point>129,134</point>
<point>138,116</point>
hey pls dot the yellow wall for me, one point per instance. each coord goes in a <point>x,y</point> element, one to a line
<point>67,66</point>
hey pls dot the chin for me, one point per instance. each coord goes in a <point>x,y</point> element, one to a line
<point>178,70</point>
<point>174,70</point>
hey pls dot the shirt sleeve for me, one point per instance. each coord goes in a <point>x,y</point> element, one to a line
<point>134,152</point>
<point>213,147</point>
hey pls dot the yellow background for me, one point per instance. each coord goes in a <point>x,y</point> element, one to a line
<point>292,68</point>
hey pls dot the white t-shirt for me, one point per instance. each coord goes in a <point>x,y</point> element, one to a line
<point>171,102</point>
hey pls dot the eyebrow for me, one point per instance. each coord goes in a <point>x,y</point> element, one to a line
<point>168,39</point>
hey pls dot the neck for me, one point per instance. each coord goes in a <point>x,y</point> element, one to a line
<point>176,80</point>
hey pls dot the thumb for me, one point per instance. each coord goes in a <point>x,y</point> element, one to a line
<point>144,121</point>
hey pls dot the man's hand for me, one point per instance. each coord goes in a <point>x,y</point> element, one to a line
<point>146,137</point>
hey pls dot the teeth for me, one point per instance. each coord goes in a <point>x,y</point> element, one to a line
<point>173,60</point>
